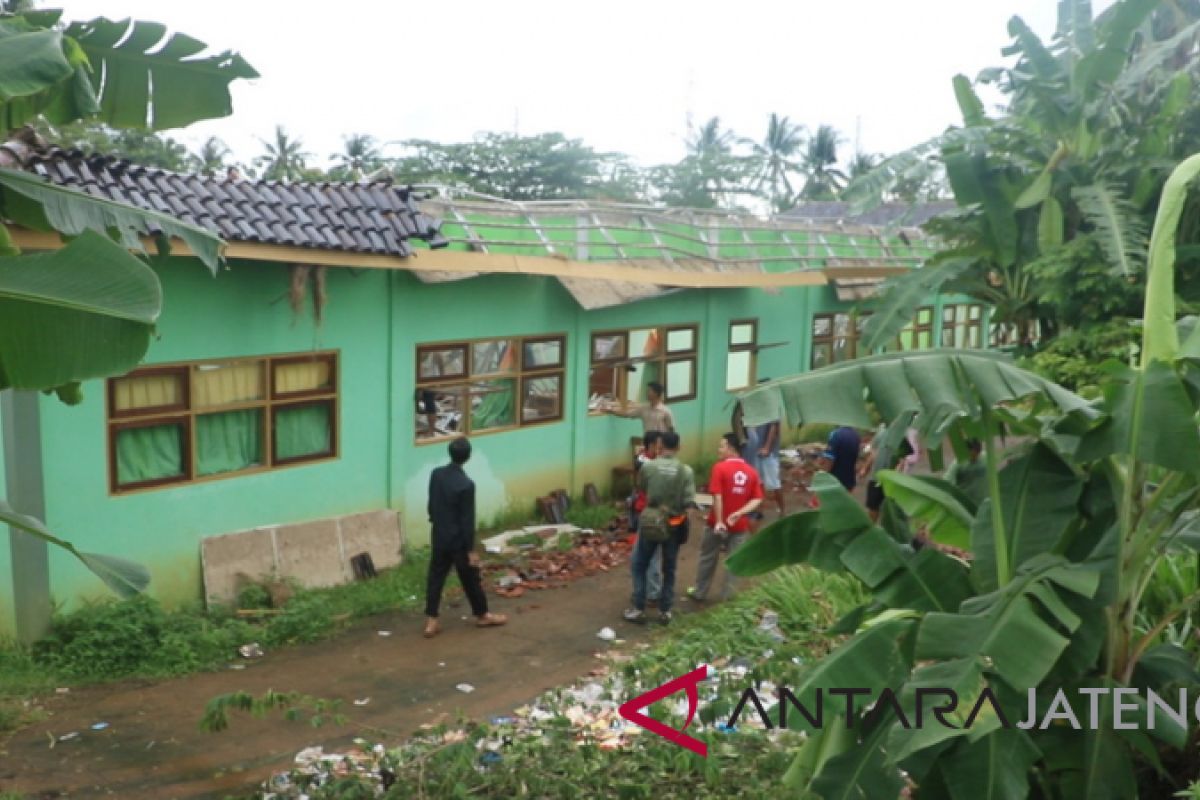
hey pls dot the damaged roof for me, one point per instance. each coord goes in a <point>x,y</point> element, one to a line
<point>352,217</point>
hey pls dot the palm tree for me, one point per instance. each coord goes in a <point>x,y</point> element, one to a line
<point>822,179</point>
<point>862,163</point>
<point>360,155</point>
<point>710,141</point>
<point>775,158</point>
<point>284,159</point>
<point>210,159</point>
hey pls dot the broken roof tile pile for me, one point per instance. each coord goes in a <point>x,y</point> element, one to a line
<point>374,218</point>
<point>553,568</point>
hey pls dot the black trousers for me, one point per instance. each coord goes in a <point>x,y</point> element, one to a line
<point>440,562</point>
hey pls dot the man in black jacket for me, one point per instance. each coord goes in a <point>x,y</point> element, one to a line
<point>452,513</point>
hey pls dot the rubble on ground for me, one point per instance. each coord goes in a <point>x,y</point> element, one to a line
<point>587,711</point>
<point>549,567</point>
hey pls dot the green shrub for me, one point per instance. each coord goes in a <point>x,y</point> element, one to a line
<point>1074,358</point>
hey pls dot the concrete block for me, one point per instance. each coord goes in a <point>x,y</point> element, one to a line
<point>311,553</point>
<point>231,559</point>
<point>374,532</point>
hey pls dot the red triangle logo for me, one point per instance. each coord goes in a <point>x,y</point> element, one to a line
<point>632,710</point>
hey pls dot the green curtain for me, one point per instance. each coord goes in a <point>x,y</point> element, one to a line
<point>497,409</point>
<point>229,441</point>
<point>302,431</point>
<point>150,453</point>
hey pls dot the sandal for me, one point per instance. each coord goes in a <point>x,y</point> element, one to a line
<point>432,628</point>
<point>490,620</point>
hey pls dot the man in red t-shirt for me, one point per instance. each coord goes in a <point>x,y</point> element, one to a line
<point>737,492</point>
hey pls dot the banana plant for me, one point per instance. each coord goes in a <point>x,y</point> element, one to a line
<point>88,309</point>
<point>1085,498</point>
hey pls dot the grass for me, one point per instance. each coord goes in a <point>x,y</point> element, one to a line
<point>748,764</point>
<point>140,638</point>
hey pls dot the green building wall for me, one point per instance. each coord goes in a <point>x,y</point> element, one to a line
<point>375,319</point>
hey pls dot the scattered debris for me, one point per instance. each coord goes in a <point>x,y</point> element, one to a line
<point>237,666</point>
<point>252,650</point>
<point>99,726</point>
<point>362,701</point>
<point>465,688</point>
<point>66,737</point>
<point>769,624</point>
<point>384,633</point>
<point>62,690</point>
<point>607,634</point>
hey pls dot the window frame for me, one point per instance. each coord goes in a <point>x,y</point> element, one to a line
<point>663,357</point>
<point>751,347</point>
<point>462,384</point>
<point>188,412</point>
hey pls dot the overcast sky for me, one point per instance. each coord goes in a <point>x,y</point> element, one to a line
<point>621,75</point>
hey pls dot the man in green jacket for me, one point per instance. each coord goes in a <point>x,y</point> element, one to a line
<point>670,488</point>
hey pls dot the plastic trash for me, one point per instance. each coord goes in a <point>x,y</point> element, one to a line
<point>62,690</point>
<point>252,650</point>
<point>66,737</point>
<point>465,688</point>
<point>508,580</point>
<point>384,633</point>
<point>99,726</point>
<point>607,634</point>
<point>362,701</point>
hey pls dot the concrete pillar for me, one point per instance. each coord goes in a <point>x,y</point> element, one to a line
<point>25,492</point>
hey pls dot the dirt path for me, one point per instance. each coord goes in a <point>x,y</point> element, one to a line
<point>154,750</point>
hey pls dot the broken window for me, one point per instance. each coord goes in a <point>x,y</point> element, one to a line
<point>458,396</point>
<point>962,325</point>
<point>178,423</point>
<point>741,362</point>
<point>625,363</point>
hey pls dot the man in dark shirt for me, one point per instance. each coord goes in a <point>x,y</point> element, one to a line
<point>843,448</point>
<point>452,513</point>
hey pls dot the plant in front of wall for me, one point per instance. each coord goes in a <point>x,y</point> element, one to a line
<point>1080,512</point>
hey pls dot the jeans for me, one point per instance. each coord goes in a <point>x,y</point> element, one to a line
<point>440,562</point>
<point>710,553</point>
<point>643,554</point>
<point>654,577</point>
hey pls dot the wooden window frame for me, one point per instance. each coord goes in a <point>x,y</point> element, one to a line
<point>188,413</point>
<point>750,347</point>
<point>831,337</point>
<point>462,384</point>
<point>663,357</point>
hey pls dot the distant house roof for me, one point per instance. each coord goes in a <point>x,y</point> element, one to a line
<point>355,217</point>
<point>835,211</point>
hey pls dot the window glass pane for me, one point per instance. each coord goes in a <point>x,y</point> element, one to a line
<point>442,362</point>
<point>541,398</point>
<point>842,350</point>
<point>148,392</point>
<point>439,411</point>
<point>640,378</point>
<point>741,333</point>
<point>738,370</point>
<point>223,384</point>
<point>973,336</point>
<point>924,315</point>
<point>681,341</point>
<point>822,326</point>
<point>488,358</point>
<point>821,355</point>
<point>493,404</point>
<point>303,376</point>
<point>948,314</point>
<point>150,453</point>
<point>302,431</point>
<point>608,347</point>
<point>680,375</point>
<point>908,339</point>
<point>543,354</point>
<point>948,339</point>
<point>924,340</point>
<point>644,343</point>
<point>974,313</point>
<point>229,441</point>
<point>603,385</point>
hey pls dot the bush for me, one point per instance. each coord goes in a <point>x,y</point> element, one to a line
<point>1073,359</point>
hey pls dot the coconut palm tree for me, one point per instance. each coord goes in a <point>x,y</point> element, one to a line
<point>823,180</point>
<point>775,158</point>
<point>861,164</point>
<point>284,158</point>
<point>211,158</point>
<point>360,155</point>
